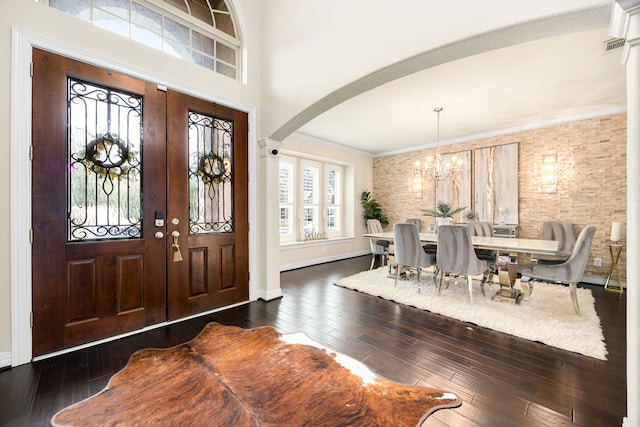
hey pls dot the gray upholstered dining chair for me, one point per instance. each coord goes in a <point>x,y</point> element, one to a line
<point>408,250</point>
<point>569,272</point>
<point>456,255</point>
<point>483,228</point>
<point>415,221</point>
<point>430,248</point>
<point>378,247</point>
<point>563,233</point>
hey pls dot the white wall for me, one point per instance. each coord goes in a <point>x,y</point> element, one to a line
<point>70,36</point>
<point>359,178</point>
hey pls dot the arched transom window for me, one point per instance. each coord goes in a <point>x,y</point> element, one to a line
<point>204,32</point>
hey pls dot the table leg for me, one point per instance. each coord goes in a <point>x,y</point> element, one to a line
<point>507,276</point>
<point>615,249</point>
<point>527,289</point>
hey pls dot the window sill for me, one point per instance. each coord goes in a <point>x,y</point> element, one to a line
<point>285,246</point>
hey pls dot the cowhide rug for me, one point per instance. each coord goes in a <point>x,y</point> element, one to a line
<point>229,376</point>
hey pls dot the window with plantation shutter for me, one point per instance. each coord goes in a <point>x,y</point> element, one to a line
<point>287,199</point>
<point>311,227</point>
<point>333,176</point>
<point>311,200</point>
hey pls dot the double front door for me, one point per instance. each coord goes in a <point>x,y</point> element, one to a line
<point>139,202</point>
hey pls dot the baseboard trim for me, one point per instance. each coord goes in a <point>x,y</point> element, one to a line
<point>316,261</point>
<point>5,359</point>
<point>592,280</point>
<point>270,295</point>
<point>596,280</point>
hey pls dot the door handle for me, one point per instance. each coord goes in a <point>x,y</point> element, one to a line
<point>159,235</point>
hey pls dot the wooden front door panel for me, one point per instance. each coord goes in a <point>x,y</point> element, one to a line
<point>207,197</point>
<point>100,272</point>
<point>93,276</point>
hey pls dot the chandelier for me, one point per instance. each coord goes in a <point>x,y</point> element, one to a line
<point>436,168</point>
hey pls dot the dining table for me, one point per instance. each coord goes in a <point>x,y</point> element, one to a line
<point>507,248</point>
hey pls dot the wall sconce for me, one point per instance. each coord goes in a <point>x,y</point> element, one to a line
<point>417,182</point>
<point>549,174</point>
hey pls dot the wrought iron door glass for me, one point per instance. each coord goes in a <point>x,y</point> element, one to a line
<point>104,188</point>
<point>210,174</point>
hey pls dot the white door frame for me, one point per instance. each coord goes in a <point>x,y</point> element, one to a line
<point>22,43</point>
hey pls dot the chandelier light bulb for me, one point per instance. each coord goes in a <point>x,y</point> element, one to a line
<point>435,168</point>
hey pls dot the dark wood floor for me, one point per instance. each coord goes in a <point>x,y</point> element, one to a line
<point>502,380</point>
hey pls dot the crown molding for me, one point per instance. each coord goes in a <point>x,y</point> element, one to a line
<point>540,125</point>
<point>331,144</point>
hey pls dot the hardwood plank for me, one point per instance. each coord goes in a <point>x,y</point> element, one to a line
<point>17,389</point>
<point>502,380</point>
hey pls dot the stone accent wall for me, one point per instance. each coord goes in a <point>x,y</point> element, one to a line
<point>592,181</point>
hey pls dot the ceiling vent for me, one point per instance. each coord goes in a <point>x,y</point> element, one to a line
<point>611,45</point>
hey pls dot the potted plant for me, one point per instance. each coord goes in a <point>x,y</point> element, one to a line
<point>442,213</point>
<point>372,209</point>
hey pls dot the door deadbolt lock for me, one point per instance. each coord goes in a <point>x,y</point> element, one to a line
<point>159,219</point>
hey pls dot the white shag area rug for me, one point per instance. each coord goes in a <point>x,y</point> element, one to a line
<point>547,316</point>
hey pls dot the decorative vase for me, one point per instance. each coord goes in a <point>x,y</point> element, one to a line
<point>442,221</point>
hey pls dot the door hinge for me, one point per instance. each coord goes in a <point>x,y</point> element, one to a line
<point>31,236</point>
<point>31,319</point>
<point>31,69</point>
<point>31,152</point>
